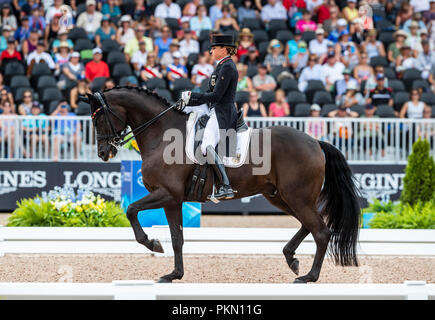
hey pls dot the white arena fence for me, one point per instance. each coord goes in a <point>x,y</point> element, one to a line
<point>41,138</point>
<point>148,290</point>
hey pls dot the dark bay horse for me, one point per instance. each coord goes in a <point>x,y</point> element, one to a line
<point>308,179</point>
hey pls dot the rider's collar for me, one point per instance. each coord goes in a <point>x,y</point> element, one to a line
<point>222,60</point>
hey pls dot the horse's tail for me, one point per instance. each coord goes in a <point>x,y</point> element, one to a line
<point>340,206</point>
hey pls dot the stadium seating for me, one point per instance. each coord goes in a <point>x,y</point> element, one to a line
<point>156,83</point>
<point>327,108</point>
<point>385,111</point>
<point>288,85</point>
<point>302,110</point>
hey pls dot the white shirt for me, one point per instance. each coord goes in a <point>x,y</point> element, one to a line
<point>419,5</point>
<point>202,71</point>
<point>163,11</point>
<point>333,73</point>
<point>273,12</point>
<point>140,58</point>
<point>315,73</point>
<point>188,48</point>
<point>42,56</point>
<point>317,47</point>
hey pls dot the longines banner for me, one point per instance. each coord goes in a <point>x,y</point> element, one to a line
<point>26,179</point>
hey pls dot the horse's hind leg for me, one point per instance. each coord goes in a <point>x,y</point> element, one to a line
<point>154,200</point>
<point>291,246</point>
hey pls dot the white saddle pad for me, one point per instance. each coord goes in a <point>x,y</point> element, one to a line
<point>243,139</point>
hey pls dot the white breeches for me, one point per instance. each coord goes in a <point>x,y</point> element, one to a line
<point>211,131</point>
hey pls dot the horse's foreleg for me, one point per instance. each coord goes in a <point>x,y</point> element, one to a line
<point>175,221</point>
<point>154,200</point>
<point>290,249</point>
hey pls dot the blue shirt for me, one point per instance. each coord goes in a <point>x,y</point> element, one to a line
<point>163,47</point>
<point>105,36</point>
<point>67,126</point>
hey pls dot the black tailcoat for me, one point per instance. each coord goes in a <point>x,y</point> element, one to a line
<point>221,94</point>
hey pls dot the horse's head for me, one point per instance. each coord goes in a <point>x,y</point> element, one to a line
<point>109,122</point>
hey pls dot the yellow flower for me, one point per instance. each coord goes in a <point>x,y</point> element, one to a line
<point>79,209</point>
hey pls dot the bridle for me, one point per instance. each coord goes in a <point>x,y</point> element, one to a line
<point>117,138</point>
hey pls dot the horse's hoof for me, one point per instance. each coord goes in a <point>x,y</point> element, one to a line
<point>164,280</point>
<point>157,246</point>
<point>297,280</point>
<point>294,266</point>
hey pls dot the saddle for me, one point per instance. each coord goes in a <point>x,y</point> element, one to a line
<point>194,137</point>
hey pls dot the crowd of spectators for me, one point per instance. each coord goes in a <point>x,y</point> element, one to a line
<point>309,58</point>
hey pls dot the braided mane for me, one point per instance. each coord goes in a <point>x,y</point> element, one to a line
<point>148,92</point>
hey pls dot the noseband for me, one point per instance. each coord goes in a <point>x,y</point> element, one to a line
<point>116,138</point>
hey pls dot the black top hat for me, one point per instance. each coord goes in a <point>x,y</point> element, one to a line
<point>223,40</point>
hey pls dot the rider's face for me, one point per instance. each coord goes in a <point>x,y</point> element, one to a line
<point>218,52</point>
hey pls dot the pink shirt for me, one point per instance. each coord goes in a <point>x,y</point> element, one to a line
<point>276,111</point>
<point>303,25</point>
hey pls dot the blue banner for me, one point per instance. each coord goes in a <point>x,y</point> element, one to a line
<point>132,189</point>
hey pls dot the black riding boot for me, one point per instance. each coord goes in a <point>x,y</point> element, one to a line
<point>225,191</point>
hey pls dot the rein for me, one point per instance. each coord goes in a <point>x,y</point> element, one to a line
<point>116,139</point>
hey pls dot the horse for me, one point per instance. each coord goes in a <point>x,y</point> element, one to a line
<point>308,179</point>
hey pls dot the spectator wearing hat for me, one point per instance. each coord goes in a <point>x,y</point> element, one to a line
<point>300,60</point>
<point>372,46</point>
<point>6,33</point>
<point>81,89</point>
<point>280,107</point>
<point>226,23</point>
<point>202,70</point>
<point>23,32</point>
<point>111,9</point>
<point>394,48</point>
<point>188,45</point>
<point>275,56</point>
<point>11,53</point>
<point>316,128</point>
<point>352,97</point>
<point>62,37</point>
<point>38,56</point>
<point>124,33</point>
<point>306,24</point>
<point>244,83</point>
<point>313,71</point>
<point>201,21</point>
<point>342,85</point>
<point>350,12</point>
<point>7,18</point>
<point>246,41</point>
<point>319,45</point>
<point>72,70</point>
<point>61,57</point>
<point>96,68</point>
<point>105,32</point>
<point>426,60</point>
<point>341,28</point>
<point>413,39</point>
<point>263,81</point>
<point>132,45</point>
<point>161,44</point>
<point>36,21</point>
<point>167,58</point>
<point>139,57</point>
<point>176,69</point>
<point>273,10</point>
<point>90,20</point>
<point>405,60</point>
<point>246,11</point>
<point>380,94</point>
<point>168,9</point>
<point>416,17</point>
<point>151,69</point>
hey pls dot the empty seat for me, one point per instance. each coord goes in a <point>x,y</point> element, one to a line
<point>19,81</point>
<point>260,36</point>
<point>384,25</point>
<point>295,97</point>
<point>288,85</point>
<point>50,94</point>
<point>275,25</point>
<point>40,69</point>
<point>121,70</point>
<point>267,97</point>
<point>115,57</point>
<point>399,99</point>
<point>156,83</point>
<point>409,75</point>
<point>421,84</point>
<point>98,83</point>
<point>52,106</point>
<point>241,98</point>
<point>386,37</point>
<point>428,98</point>
<point>322,97</point>
<point>277,70</point>
<point>312,87</point>
<point>205,46</point>
<point>83,109</point>
<point>379,61</point>
<point>77,33</point>
<point>360,109</point>
<point>192,59</point>
<point>327,108</point>
<point>251,23</point>
<point>83,44</point>
<point>46,81</point>
<point>173,24</point>
<point>396,85</point>
<point>390,73</point>
<point>204,35</point>
<point>109,45</point>
<point>284,36</point>
<point>385,111</point>
<point>204,86</point>
<point>165,93</point>
<point>307,36</point>
<point>181,84</point>
<point>262,49</point>
<point>252,71</point>
<point>302,110</point>
<point>13,69</point>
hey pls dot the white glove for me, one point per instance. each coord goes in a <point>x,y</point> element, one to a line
<point>185,96</point>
